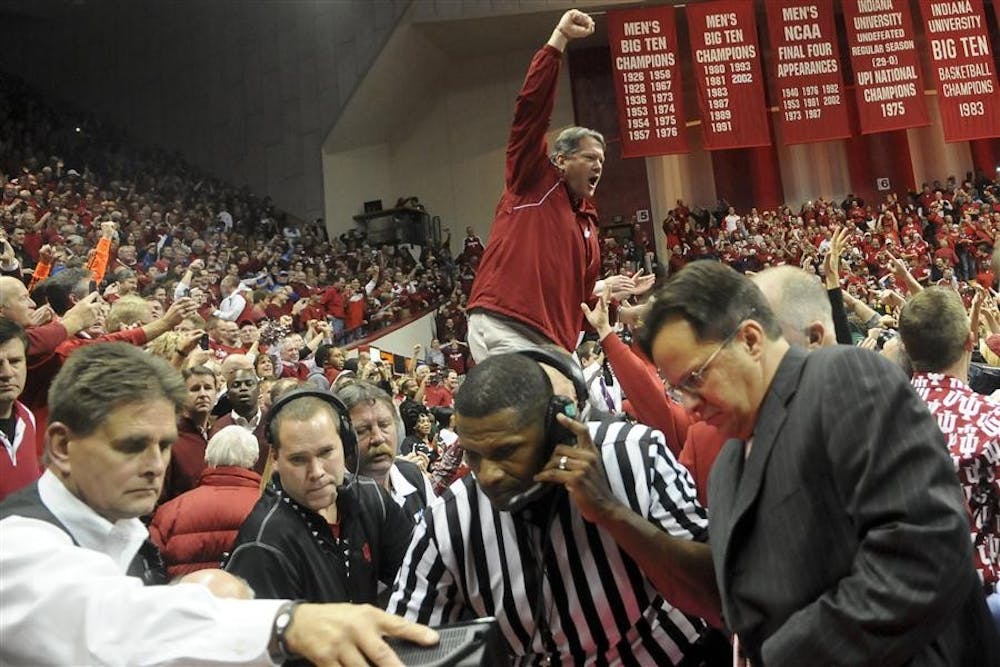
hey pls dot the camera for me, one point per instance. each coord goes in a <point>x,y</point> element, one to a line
<point>885,337</point>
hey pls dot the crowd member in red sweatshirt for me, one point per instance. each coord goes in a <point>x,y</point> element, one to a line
<point>187,455</point>
<point>647,397</point>
<point>195,529</point>
<point>543,256</point>
<point>19,461</point>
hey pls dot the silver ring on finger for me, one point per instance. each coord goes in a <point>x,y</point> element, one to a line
<point>562,462</point>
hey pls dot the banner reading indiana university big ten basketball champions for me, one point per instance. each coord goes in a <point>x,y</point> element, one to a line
<point>888,85</point>
<point>644,63</point>
<point>962,61</point>
<point>809,84</point>
<point>728,74</point>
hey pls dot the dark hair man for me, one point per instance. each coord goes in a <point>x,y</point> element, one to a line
<point>802,308</point>
<point>326,535</point>
<point>835,491</point>
<point>559,542</point>
<point>935,331</point>
<point>19,461</point>
<point>72,540</point>
<point>543,256</point>
<point>187,456</point>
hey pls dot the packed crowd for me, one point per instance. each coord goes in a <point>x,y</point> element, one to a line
<point>178,231</point>
<point>515,470</point>
<point>944,234</point>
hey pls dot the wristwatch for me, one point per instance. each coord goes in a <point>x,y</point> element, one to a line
<point>277,648</point>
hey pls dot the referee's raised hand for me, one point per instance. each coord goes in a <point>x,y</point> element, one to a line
<point>580,469</point>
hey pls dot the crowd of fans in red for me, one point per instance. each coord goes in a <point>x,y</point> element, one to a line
<point>66,174</point>
<point>149,226</point>
<point>944,234</point>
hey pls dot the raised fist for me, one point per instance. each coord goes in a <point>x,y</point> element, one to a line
<point>574,24</point>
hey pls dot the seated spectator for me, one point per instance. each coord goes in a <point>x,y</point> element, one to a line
<point>196,528</point>
<point>19,461</point>
<point>434,356</point>
<point>456,355</point>
<point>326,534</point>
<point>127,312</point>
<point>604,392</point>
<point>440,389</point>
<point>420,442</point>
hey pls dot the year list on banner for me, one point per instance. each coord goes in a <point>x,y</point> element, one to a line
<point>726,60</point>
<point>648,88</point>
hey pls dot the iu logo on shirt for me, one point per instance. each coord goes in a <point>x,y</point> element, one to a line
<point>366,552</point>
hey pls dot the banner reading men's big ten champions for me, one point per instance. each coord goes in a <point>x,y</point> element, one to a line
<point>647,81</point>
<point>728,74</point>
<point>962,61</point>
<point>888,85</point>
<point>809,85</point>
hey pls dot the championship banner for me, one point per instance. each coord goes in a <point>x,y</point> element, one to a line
<point>727,71</point>
<point>888,85</point>
<point>962,61</point>
<point>809,85</point>
<point>648,89</point>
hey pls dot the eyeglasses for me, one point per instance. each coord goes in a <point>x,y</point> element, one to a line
<point>695,380</point>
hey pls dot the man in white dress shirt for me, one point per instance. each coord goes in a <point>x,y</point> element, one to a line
<point>77,563</point>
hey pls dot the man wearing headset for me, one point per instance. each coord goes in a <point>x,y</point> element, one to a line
<point>326,535</point>
<point>550,537</point>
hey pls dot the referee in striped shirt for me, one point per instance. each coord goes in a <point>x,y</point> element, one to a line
<point>558,542</point>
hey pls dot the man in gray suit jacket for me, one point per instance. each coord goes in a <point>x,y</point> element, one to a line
<point>838,534</point>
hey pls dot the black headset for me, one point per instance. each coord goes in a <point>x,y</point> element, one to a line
<point>348,438</point>
<point>556,433</point>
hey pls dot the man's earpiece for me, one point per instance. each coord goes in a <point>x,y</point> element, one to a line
<point>555,433</point>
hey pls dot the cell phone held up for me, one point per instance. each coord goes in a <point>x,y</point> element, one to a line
<point>557,434</point>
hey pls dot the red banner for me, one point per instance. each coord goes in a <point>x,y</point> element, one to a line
<point>644,64</point>
<point>887,82</point>
<point>962,61</point>
<point>728,75</point>
<point>809,85</point>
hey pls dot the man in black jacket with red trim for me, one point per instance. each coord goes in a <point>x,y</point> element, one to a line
<point>318,538</point>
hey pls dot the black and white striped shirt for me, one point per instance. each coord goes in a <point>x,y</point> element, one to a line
<point>466,558</point>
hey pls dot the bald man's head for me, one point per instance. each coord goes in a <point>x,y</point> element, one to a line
<point>15,302</point>
<point>800,303</point>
